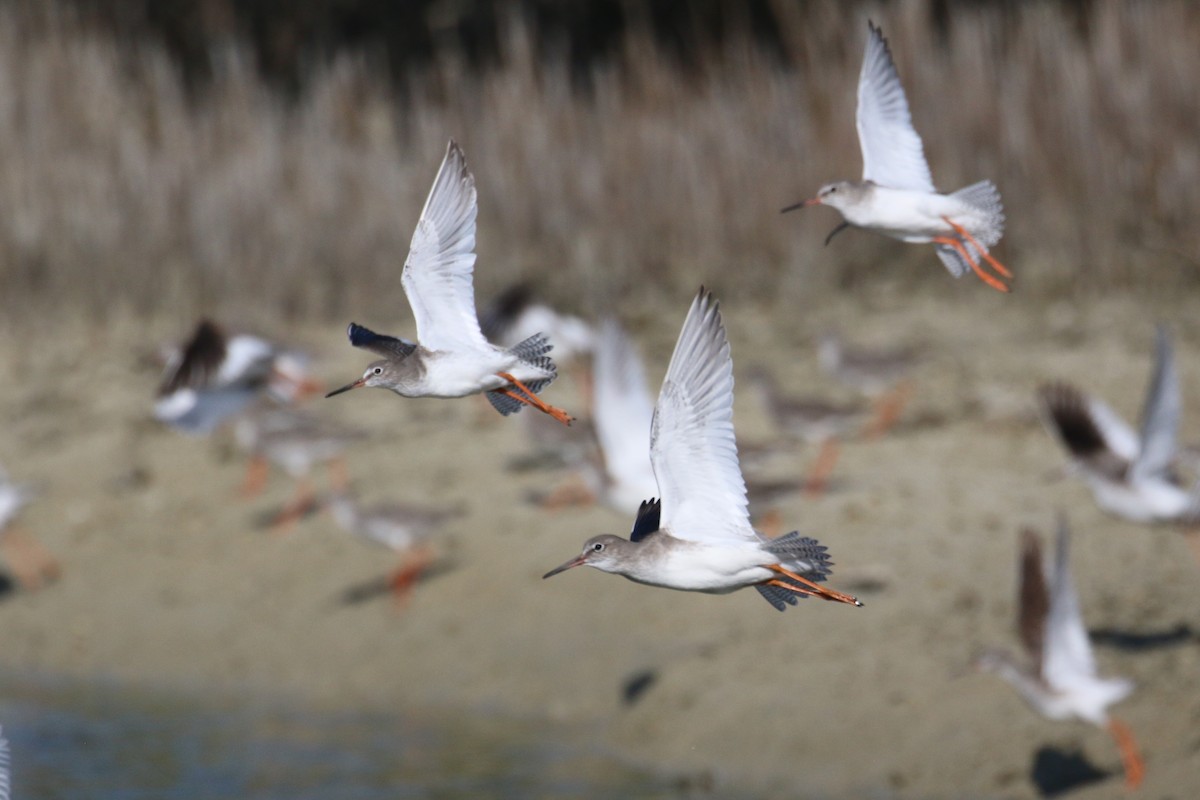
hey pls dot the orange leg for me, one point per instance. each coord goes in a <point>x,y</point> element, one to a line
<point>812,588</point>
<point>887,410</point>
<point>339,478</point>
<point>527,397</point>
<point>32,564</point>
<point>572,492</point>
<point>256,478</point>
<point>406,576</point>
<point>1135,768</point>
<point>962,251</point>
<point>301,504</point>
<point>966,234</point>
<point>818,474</point>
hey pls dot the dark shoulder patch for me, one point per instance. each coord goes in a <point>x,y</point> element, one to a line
<point>647,521</point>
<point>386,346</point>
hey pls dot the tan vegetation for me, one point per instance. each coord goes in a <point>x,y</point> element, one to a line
<point>121,190</point>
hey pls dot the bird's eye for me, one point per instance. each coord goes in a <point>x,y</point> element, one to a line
<point>597,547</point>
<point>832,189</point>
<point>378,370</point>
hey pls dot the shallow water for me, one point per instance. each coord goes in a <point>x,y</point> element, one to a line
<point>110,742</point>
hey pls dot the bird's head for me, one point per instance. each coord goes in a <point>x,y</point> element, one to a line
<point>602,552</point>
<point>380,373</point>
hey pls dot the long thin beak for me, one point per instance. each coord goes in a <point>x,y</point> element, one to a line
<point>577,561</point>
<point>355,385</point>
<point>813,201</point>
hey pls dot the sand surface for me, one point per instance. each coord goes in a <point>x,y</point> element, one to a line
<point>168,579</point>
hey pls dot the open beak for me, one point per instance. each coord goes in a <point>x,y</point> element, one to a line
<point>358,383</point>
<point>577,561</point>
<point>814,201</point>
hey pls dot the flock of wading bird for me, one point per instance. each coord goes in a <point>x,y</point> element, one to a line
<point>692,526</point>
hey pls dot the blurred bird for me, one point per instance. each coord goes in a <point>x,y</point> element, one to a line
<point>1061,681</point>
<point>215,376</point>
<point>451,357</point>
<point>1131,474</point>
<point>295,442</point>
<point>514,315</point>
<point>811,420</point>
<point>620,473</point>
<point>879,374</point>
<point>31,563</point>
<point>896,196</point>
<point>699,537</point>
<point>405,530</point>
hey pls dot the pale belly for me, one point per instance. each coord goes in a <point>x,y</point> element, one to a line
<point>909,216</point>
<point>462,374</point>
<point>696,567</point>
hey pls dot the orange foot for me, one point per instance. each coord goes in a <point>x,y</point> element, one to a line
<point>808,587</point>
<point>957,244</point>
<point>403,579</point>
<point>1135,768</point>
<point>524,395</point>
<point>887,410</point>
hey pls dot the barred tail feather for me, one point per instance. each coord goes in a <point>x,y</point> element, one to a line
<point>984,198</point>
<point>803,555</point>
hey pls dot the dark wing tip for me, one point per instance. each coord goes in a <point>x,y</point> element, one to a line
<point>648,519</point>
<point>1067,410</point>
<point>1033,597</point>
<point>360,336</point>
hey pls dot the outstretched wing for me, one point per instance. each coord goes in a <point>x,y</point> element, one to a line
<point>1161,413</point>
<point>1066,651</point>
<point>622,409</point>
<point>1093,433</point>
<point>1033,599</point>
<point>692,447</point>
<point>891,148</point>
<point>441,259</point>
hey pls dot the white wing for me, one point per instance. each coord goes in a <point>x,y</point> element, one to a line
<point>1160,415</point>
<point>1066,651</point>
<point>1118,435</point>
<point>891,148</point>
<point>622,409</point>
<point>692,447</point>
<point>441,260</point>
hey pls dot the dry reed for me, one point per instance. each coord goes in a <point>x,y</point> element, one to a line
<point>120,192</point>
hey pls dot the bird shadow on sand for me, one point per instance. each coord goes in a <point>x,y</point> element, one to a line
<point>1056,772</point>
<point>380,586</point>
<point>8,587</point>
<point>1143,641</point>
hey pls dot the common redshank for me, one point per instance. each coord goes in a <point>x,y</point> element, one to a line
<point>699,537</point>
<point>405,530</point>
<point>1060,682</point>
<point>216,375</point>
<point>896,196</point>
<point>1131,474</point>
<point>450,357</point>
<point>296,442</point>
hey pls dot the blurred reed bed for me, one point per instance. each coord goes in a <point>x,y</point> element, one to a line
<point>122,191</point>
